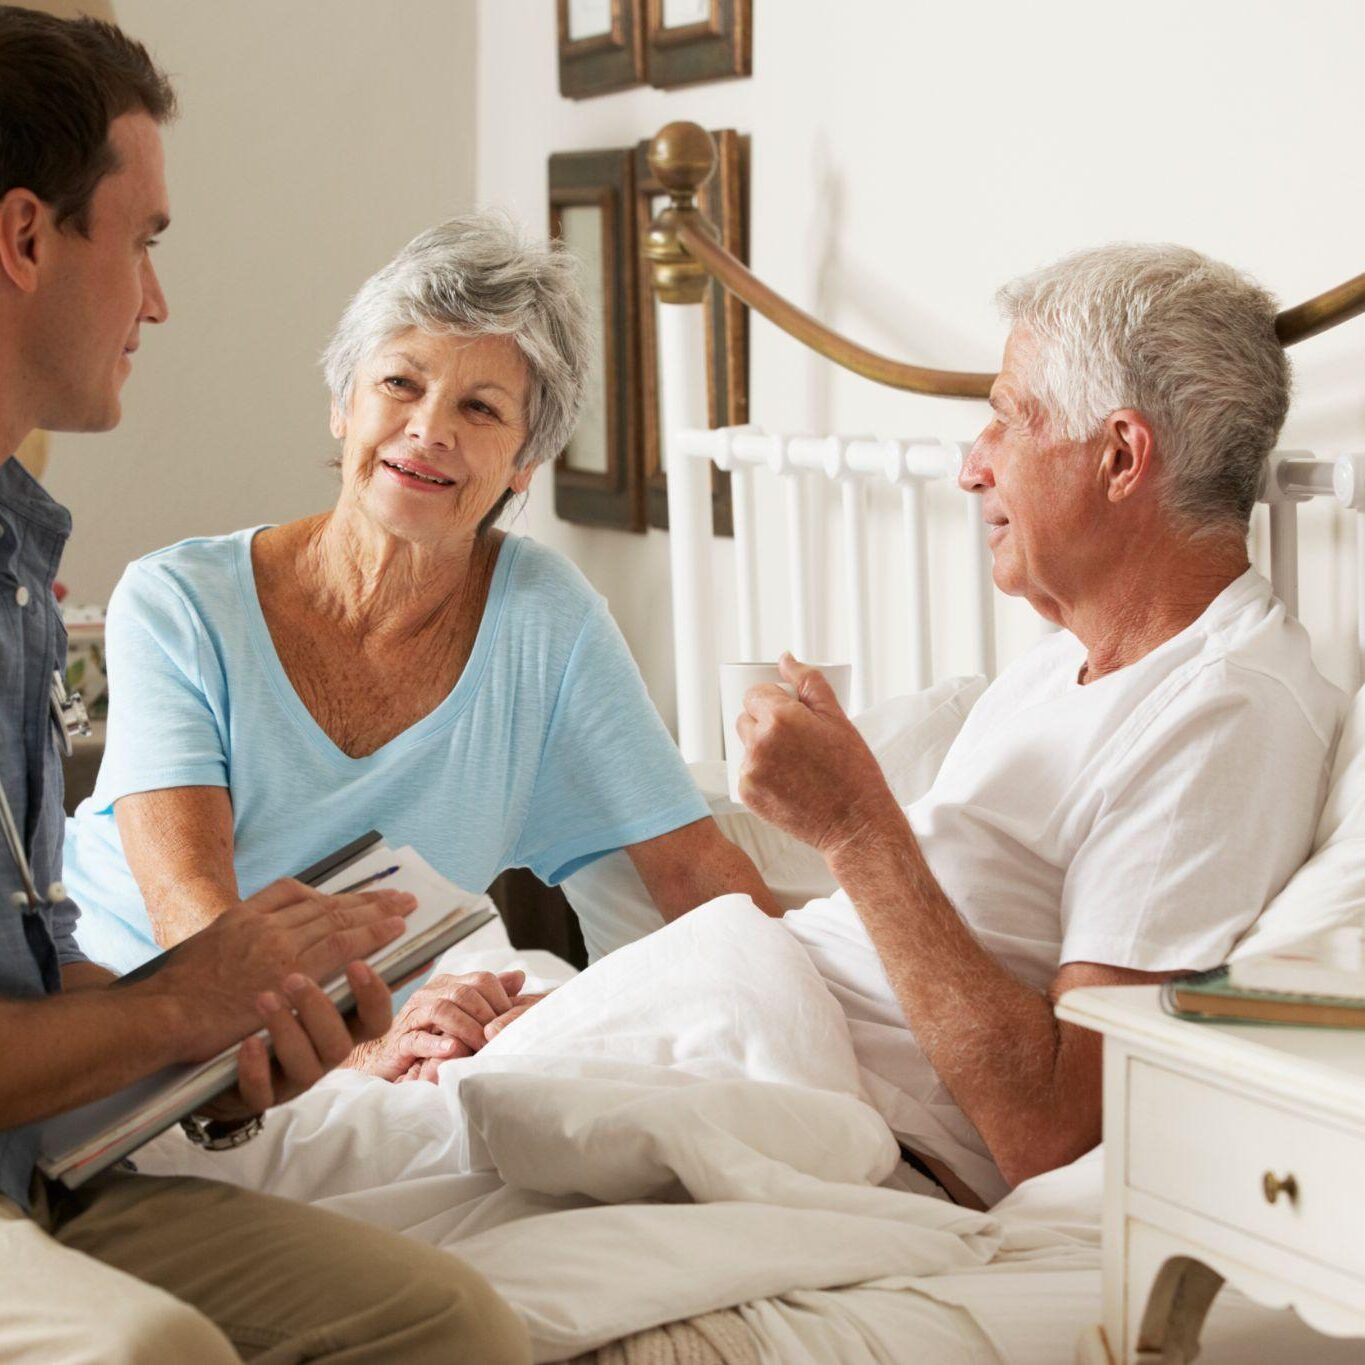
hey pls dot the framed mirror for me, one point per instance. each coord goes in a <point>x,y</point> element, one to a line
<point>687,41</point>
<point>601,46</point>
<point>597,476</point>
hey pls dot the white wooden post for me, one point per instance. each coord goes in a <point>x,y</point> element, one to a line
<point>904,466</point>
<point>839,470</point>
<point>1348,486</point>
<point>1284,554</point>
<point>798,556</point>
<point>746,559</point>
<point>1358,661</point>
<point>745,532</point>
<point>855,586</point>
<point>1291,477</point>
<point>682,407</point>
<point>915,528</point>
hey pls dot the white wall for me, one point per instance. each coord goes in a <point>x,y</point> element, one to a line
<point>316,137</point>
<point>909,156</point>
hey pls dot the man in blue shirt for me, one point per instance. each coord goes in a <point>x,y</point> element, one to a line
<point>132,1267</point>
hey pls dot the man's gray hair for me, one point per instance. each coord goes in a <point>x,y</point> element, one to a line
<point>1187,341</point>
<point>479,276</point>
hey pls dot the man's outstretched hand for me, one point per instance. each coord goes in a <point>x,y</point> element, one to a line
<point>806,768</point>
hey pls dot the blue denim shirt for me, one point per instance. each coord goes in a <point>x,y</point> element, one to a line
<point>33,947</point>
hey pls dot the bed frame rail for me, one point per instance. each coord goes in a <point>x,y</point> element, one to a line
<point>683,157</point>
<point>854,465</point>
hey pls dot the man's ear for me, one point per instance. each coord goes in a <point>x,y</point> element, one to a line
<point>336,422</point>
<point>23,216</point>
<point>1129,459</point>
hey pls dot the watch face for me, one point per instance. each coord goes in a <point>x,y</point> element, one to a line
<point>216,1135</point>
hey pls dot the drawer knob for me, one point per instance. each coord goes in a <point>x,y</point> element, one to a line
<point>1274,1187</point>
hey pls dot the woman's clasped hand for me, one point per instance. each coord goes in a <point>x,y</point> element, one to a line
<point>449,1017</point>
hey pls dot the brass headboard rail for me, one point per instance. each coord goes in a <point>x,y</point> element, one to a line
<point>685,254</point>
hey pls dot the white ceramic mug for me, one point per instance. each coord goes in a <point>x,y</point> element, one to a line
<point>736,679</point>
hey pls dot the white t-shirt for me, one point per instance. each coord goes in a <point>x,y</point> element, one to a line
<point>1142,820</point>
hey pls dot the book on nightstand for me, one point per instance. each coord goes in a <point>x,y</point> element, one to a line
<point>82,1142</point>
<point>1319,982</point>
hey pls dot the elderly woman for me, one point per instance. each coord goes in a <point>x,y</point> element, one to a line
<point>395,663</point>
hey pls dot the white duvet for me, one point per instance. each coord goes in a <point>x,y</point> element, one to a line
<point>680,1128</point>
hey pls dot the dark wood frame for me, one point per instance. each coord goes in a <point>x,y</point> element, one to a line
<point>538,916</point>
<point>615,498</point>
<point>606,62</point>
<point>725,202</point>
<point>717,50</point>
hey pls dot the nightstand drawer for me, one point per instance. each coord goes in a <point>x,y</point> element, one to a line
<point>1209,1149</point>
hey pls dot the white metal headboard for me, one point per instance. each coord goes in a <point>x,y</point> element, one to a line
<point>854,465</point>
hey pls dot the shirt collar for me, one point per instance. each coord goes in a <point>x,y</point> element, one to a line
<point>21,495</point>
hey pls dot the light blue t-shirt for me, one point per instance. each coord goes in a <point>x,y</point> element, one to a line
<point>546,754</point>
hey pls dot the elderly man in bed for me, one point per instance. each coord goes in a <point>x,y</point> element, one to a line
<point>1124,799</point>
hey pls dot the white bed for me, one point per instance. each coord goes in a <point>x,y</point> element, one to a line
<point>632,1154</point>
<point>685,1128</point>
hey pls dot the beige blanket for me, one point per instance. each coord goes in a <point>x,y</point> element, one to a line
<point>711,1339</point>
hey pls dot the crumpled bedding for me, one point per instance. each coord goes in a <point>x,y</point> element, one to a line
<point>711,1339</point>
<point>679,1130</point>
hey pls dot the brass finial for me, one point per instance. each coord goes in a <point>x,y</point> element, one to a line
<point>683,157</point>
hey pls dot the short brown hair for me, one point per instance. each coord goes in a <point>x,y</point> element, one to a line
<point>62,82</point>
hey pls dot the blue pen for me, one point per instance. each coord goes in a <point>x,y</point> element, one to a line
<point>367,881</point>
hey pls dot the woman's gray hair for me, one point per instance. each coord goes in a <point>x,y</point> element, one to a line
<point>479,276</point>
<point>1187,341</point>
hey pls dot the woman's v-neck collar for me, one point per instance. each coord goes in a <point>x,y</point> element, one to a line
<point>437,719</point>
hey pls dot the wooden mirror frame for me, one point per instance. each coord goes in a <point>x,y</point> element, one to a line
<point>721,48</point>
<point>605,62</point>
<point>615,498</point>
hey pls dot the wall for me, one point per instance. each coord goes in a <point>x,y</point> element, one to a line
<point>315,138</point>
<point>909,156</point>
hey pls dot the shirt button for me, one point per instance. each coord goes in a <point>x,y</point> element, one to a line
<point>21,595</point>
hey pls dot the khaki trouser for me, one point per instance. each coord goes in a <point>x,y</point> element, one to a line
<point>134,1268</point>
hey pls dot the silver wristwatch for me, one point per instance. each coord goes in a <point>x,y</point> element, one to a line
<point>218,1135</point>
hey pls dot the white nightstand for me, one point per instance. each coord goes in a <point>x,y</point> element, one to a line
<point>1232,1152</point>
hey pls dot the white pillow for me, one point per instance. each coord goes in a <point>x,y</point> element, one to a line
<point>909,735</point>
<point>1329,889</point>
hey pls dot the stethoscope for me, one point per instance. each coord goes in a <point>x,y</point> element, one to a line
<point>68,713</point>
<point>70,719</point>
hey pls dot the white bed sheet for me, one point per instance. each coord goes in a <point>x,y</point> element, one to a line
<point>683,1129</point>
<point>1019,1310</point>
